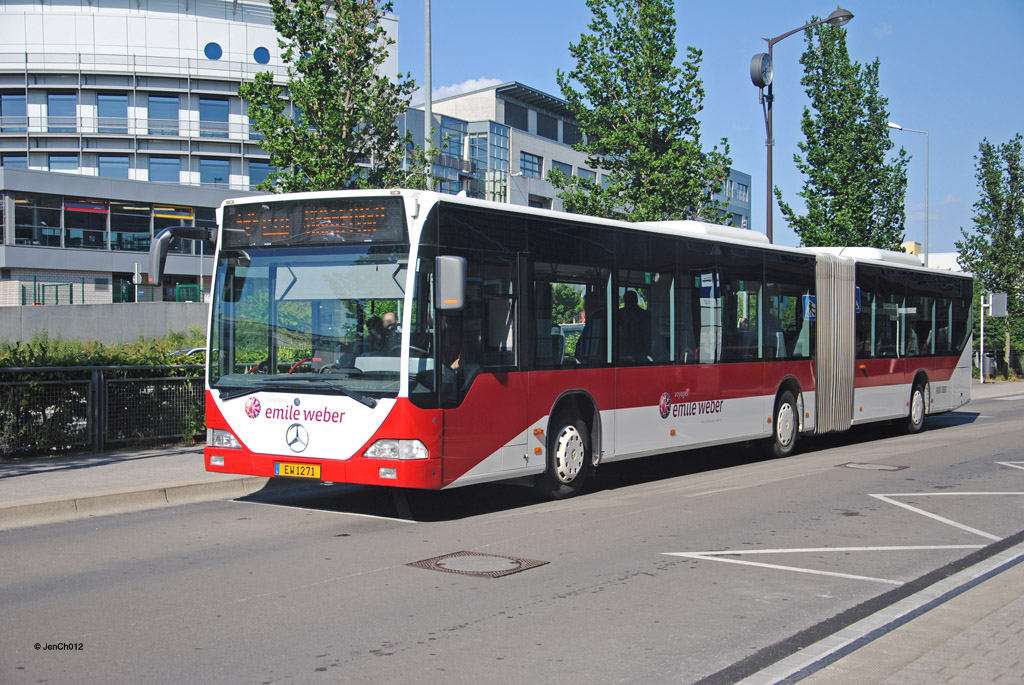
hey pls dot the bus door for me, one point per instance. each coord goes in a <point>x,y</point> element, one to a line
<point>484,399</point>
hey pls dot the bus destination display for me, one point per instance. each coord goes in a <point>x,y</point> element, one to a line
<point>314,222</point>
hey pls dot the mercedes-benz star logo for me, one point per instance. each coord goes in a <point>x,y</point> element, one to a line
<point>297,437</point>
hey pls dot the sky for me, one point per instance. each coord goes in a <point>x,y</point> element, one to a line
<point>946,67</point>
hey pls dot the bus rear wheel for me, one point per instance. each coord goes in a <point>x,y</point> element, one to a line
<point>569,460</point>
<point>785,425</point>
<point>915,420</point>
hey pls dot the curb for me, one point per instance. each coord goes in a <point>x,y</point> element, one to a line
<point>33,513</point>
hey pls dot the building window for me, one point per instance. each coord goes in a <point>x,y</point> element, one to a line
<point>112,110</point>
<point>547,127</point>
<point>213,118</point>
<point>517,116</point>
<point>586,173</point>
<point>85,223</point>
<point>562,166</point>
<point>12,113</point>
<point>213,51</point>
<point>113,166</point>
<point>258,173</point>
<point>498,148</point>
<point>455,130</point>
<point>14,161</point>
<point>129,226</point>
<point>743,192</point>
<point>165,216</point>
<point>261,55</point>
<point>165,169</point>
<point>37,220</point>
<point>61,112</point>
<point>530,165</point>
<point>570,133</point>
<point>214,172</point>
<point>66,163</point>
<point>163,115</point>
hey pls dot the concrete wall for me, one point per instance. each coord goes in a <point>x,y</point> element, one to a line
<point>106,323</point>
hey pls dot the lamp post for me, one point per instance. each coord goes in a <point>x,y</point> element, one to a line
<point>927,149</point>
<point>761,72</point>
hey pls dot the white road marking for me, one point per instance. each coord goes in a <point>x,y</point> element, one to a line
<point>1012,464</point>
<point>949,522</point>
<point>1011,398</point>
<point>717,556</point>
<point>804,550</point>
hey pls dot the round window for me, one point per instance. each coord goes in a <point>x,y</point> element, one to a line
<point>213,51</point>
<point>261,55</point>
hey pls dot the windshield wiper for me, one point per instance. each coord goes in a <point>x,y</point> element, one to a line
<point>283,383</point>
<point>238,392</point>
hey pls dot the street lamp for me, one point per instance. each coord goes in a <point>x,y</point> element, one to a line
<point>761,72</point>
<point>927,148</point>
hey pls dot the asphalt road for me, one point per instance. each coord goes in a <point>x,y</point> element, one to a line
<point>315,585</point>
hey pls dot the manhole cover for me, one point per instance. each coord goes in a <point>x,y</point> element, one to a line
<point>873,467</point>
<point>478,564</point>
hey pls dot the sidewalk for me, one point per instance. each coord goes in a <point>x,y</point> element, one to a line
<point>967,628</point>
<point>49,490</point>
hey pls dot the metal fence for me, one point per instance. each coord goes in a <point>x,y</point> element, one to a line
<point>56,409</point>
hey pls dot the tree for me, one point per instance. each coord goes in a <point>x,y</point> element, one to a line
<point>344,133</point>
<point>994,250</point>
<point>566,303</point>
<point>853,195</point>
<point>637,112</point>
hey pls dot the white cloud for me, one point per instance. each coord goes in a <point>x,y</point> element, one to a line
<point>467,86</point>
<point>883,31</point>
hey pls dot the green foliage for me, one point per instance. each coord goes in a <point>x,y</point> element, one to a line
<point>637,112</point>
<point>49,411</point>
<point>346,135</point>
<point>566,303</point>
<point>853,195</point>
<point>43,350</point>
<point>994,250</point>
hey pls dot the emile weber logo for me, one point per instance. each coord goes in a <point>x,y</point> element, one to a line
<point>666,407</point>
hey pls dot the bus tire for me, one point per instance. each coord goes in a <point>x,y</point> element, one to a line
<point>569,460</point>
<point>785,425</point>
<point>915,419</point>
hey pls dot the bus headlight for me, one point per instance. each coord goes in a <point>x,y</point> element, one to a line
<point>396,449</point>
<point>215,437</point>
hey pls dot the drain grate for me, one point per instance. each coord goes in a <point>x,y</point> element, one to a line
<point>478,564</point>
<point>872,467</point>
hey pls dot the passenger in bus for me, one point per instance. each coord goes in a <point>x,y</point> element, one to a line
<point>634,330</point>
<point>392,332</point>
<point>458,367</point>
<point>374,340</point>
<point>590,348</point>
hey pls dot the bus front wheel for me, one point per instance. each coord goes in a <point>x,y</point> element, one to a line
<point>569,460</point>
<point>785,425</point>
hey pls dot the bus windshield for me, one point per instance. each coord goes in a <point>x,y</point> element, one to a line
<point>322,320</point>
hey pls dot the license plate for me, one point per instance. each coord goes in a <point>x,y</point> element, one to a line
<point>290,470</point>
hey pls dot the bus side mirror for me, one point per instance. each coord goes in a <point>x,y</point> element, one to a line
<point>158,248</point>
<point>450,284</point>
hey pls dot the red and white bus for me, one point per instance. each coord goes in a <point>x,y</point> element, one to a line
<point>421,340</point>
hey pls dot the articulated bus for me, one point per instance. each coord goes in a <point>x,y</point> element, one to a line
<point>421,340</point>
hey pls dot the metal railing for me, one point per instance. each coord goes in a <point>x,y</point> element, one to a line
<point>133,126</point>
<point>48,410</point>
